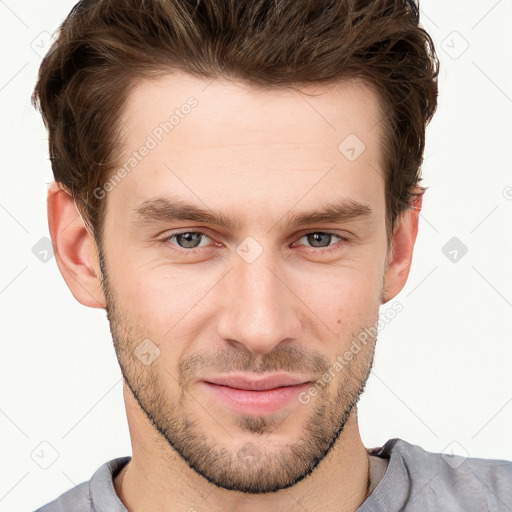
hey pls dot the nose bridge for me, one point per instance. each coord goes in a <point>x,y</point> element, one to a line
<point>260,311</point>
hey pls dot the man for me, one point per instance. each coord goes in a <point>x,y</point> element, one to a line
<point>237,185</point>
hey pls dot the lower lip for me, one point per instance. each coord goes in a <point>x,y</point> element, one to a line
<point>256,402</point>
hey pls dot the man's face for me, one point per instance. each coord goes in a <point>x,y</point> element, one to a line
<point>263,295</point>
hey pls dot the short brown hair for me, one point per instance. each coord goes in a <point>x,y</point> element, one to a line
<point>103,48</point>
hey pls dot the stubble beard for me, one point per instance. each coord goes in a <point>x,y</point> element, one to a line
<point>256,466</point>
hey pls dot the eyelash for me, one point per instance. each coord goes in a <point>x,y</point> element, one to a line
<point>342,241</point>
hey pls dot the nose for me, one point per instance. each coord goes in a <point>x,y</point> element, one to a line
<point>260,308</point>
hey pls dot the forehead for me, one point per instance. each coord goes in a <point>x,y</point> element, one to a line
<point>217,141</point>
<point>252,115</point>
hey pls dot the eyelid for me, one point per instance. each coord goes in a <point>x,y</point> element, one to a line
<point>172,234</point>
<point>326,231</point>
<point>343,239</point>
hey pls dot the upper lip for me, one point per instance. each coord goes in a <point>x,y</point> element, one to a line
<point>256,383</point>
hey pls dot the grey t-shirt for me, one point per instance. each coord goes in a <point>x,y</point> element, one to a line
<point>415,481</point>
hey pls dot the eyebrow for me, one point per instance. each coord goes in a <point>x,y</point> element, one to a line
<point>165,209</point>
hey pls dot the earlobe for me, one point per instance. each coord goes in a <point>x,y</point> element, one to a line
<point>75,248</point>
<point>400,252</point>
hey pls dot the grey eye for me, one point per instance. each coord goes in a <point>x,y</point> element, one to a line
<point>319,239</point>
<point>188,240</point>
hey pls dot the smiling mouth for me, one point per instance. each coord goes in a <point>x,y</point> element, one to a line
<point>256,396</point>
<point>250,383</point>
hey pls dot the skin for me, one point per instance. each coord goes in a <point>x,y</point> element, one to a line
<point>261,157</point>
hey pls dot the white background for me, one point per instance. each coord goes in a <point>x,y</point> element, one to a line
<point>441,378</point>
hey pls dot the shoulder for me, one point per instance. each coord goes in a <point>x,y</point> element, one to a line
<point>77,499</point>
<point>87,496</point>
<point>453,481</point>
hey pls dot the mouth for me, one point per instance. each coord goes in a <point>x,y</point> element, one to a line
<point>256,396</point>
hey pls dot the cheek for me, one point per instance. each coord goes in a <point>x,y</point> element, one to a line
<point>353,286</point>
<point>158,294</point>
<point>151,299</point>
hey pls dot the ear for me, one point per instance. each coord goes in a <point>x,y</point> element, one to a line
<point>74,248</point>
<point>398,261</point>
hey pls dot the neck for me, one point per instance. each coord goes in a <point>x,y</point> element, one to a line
<point>157,478</point>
